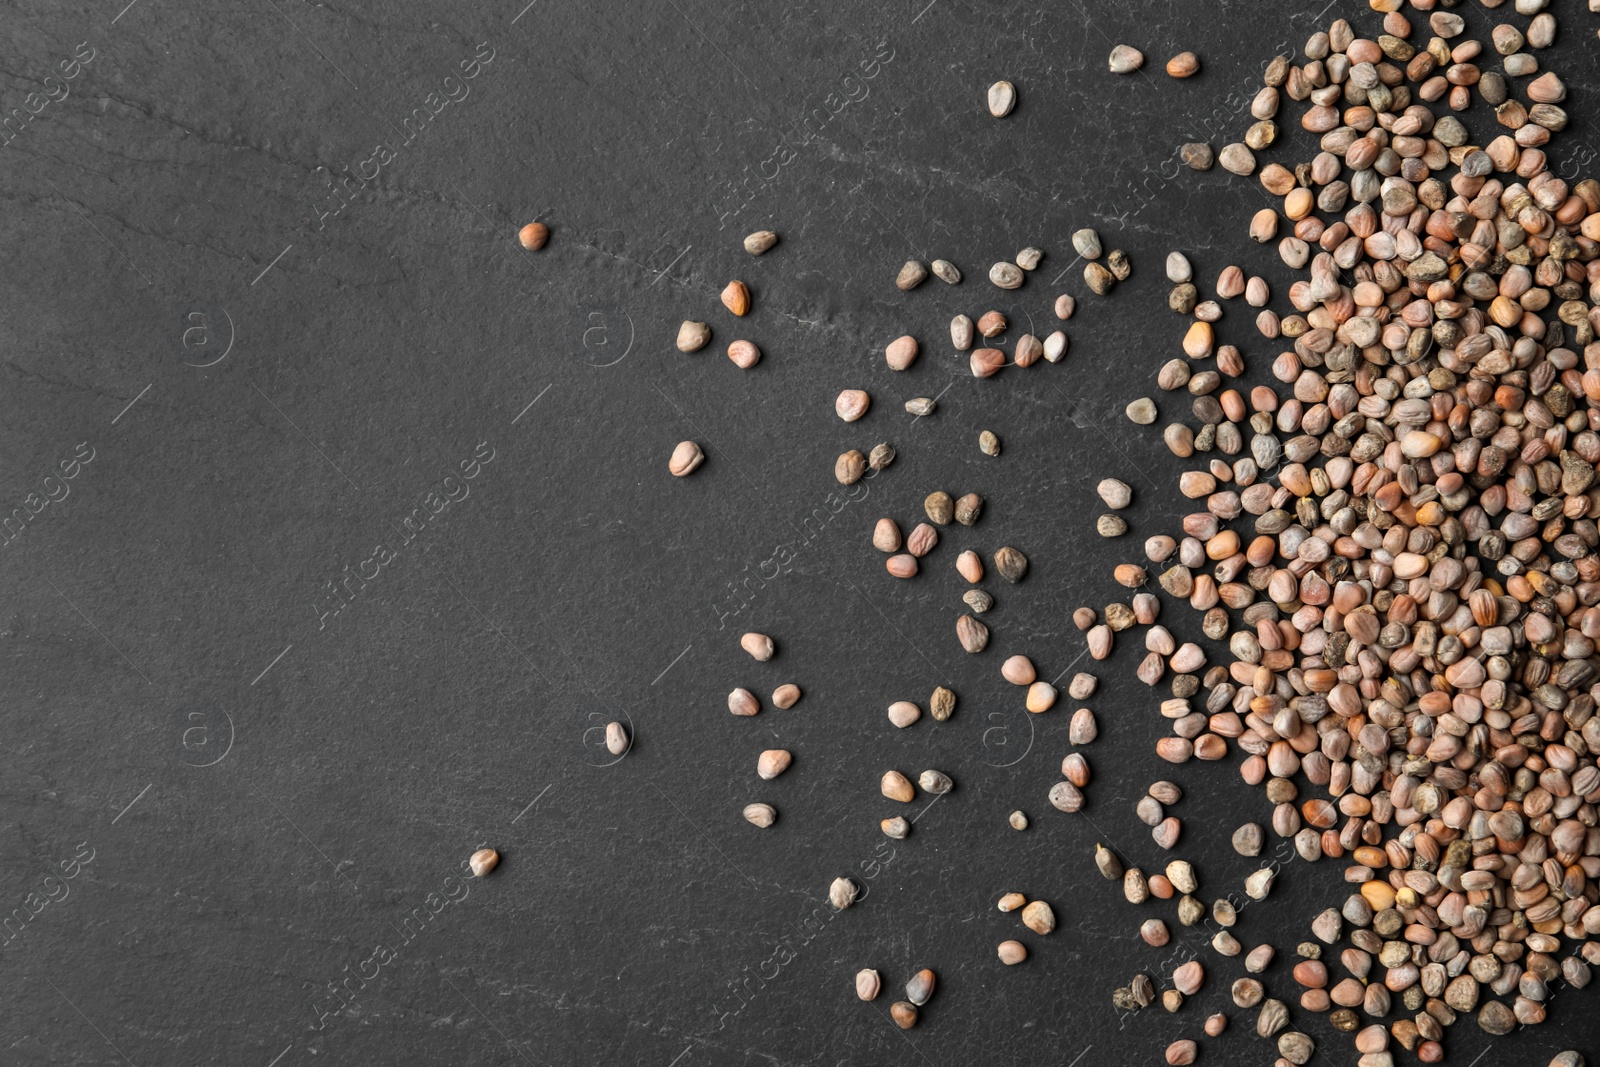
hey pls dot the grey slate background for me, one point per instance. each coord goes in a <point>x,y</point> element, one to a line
<point>266,795</point>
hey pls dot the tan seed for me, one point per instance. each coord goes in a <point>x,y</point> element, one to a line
<point>686,458</point>
<point>1012,952</point>
<point>897,828</point>
<point>773,762</point>
<point>762,815</point>
<point>736,298</point>
<point>1002,98</point>
<point>942,704</point>
<point>973,635</point>
<point>903,713</point>
<point>759,646</point>
<point>616,738</point>
<point>851,404</point>
<point>970,566</point>
<point>842,893</point>
<point>483,861</point>
<point>693,336</point>
<point>1125,59</point>
<point>759,242</point>
<point>886,536</point>
<point>742,702</point>
<point>849,467</point>
<point>1038,917</point>
<point>901,353</point>
<point>1018,820</point>
<point>744,354</point>
<point>868,983</point>
<point>897,786</point>
<point>785,696</point>
<point>1012,901</point>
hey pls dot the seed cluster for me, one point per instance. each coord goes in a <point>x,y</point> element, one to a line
<point>1398,540</point>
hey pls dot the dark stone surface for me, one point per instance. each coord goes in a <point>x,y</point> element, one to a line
<point>270,377</point>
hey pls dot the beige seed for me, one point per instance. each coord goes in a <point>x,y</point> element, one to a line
<point>1141,411</point>
<point>1189,977</point>
<point>1065,306</point>
<point>849,467</point>
<point>483,861</point>
<point>1055,347</point>
<point>942,704</point>
<point>852,404</point>
<point>973,635</point>
<point>1018,820</point>
<point>686,458</point>
<point>743,702</point>
<point>762,815</point>
<point>903,713</point>
<point>920,406</point>
<point>897,786</point>
<point>897,828</point>
<point>1006,275</point>
<point>773,762</point>
<point>936,782</point>
<point>868,983</point>
<point>946,272</point>
<point>1028,258</point>
<point>911,275</point>
<point>842,893</point>
<point>1039,917</point>
<point>901,352</point>
<point>1125,59</point>
<point>988,443</point>
<point>759,646</point>
<point>1002,98</point>
<point>785,696</point>
<point>962,332</point>
<point>1012,952</point>
<point>1018,670</point>
<point>744,354</point>
<point>616,738</point>
<point>1116,494</point>
<point>759,242</point>
<point>693,336</point>
<point>886,536</point>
